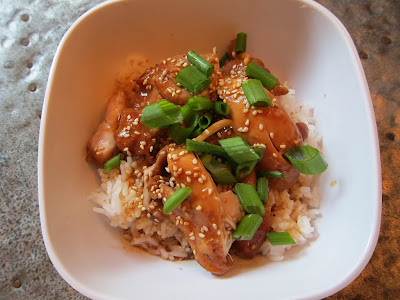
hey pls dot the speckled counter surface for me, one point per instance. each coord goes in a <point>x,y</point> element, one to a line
<point>30,31</point>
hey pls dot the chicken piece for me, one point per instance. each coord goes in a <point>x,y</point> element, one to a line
<point>102,145</point>
<point>133,137</point>
<point>201,217</point>
<point>269,126</point>
<point>232,207</point>
<point>165,79</point>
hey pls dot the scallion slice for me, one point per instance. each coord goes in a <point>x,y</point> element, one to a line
<point>271,174</point>
<point>238,150</point>
<point>223,60</point>
<point>180,134</point>
<point>255,93</point>
<point>176,198</point>
<point>262,189</point>
<point>200,103</point>
<point>241,41</point>
<point>112,163</point>
<point>200,62</point>
<point>205,147</point>
<point>218,171</point>
<point>247,227</point>
<point>221,108</point>
<point>260,151</point>
<point>280,238</point>
<point>307,160</point>
<point>205,120</point>
<point>249,199</point>
<point>257,72</point>
<point>244,169</point>
<point>161,114</point>
<point>196,133</point>
<point>193,80</point>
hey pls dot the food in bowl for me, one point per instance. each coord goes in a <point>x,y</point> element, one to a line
<point>201,157</point>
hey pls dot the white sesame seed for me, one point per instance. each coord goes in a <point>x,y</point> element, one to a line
<point>274,155</point>
<point>194,161</point>
<point>247,122</point>
<point>271,134</point>
<point>202,235</point>
<point>198,207</point>
<point>200,180</point>
<point>188,179</point>
<point>214,226</point>
<point>261,126</point>
<point>192,238</point>
<point>282,146</point>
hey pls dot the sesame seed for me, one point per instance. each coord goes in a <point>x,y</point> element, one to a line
<point>254,112</point>
<point>183,185</point>
<point>214,226</point>
<point>188,179</point>
<point>181,153</point>
<point>247,122</point>
<point>274,155</point>
<point>195,175</point>
<point>151,148</point>
<point>261,126</point>
<point>282,146</point>
<point>205,228</point>
<point>245,129</point>
<point>198,207</point>
<point>126,135</point>
<point>271,134</point>
<point>219,232</point>
<point>137,132</point>
<point>200,180</point>
<point>207,131</point>
<point>192,238</point>
<point>194,161</point>
<point>186,223</point>
<point>202,235</point>
<point>209,191</point>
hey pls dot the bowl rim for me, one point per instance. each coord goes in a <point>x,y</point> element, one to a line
<point>374,234</point>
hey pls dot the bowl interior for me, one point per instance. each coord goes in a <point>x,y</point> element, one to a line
<point>300,42</point>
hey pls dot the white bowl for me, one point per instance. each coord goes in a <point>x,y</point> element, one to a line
<point>304,44</point>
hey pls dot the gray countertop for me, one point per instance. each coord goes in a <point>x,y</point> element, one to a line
<point>30,31</point>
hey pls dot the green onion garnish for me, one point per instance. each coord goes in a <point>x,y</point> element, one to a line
<point>205,120</point>
<point>259,150</point>
<point>280,238</point>
<point>257,72</point>
<point>262,189</point>
<point>271,174</point>
<point>176,198</point>
<point>307,160</point>
<point>239,150</point>
<point>180,134</point>
<point>244,169</point>
<point>193,80</point>
<point>205,147</point>
<point>161,114</point>
<point>112,163</point>
<point>221,108</point>
<point>255,93</point>
<point>247,227</point>
<point>201,63</point>
<point>249,199</point>
<point>223,60</point>
<point>218,170</point>
<point>200,103</point>
<point>241,40</point>
<point>196,133</point>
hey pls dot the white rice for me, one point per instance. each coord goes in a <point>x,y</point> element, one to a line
<point>120,195</point>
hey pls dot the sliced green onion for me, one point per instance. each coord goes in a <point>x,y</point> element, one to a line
<point>112,163</point>
<point>280,238</point>
<point>196,133</point>
<point>205,147</point>
<point>257,72</point>
<point>249,199</point>
<point>241,41</point>
<point>200,62</point>
<point>176,198</point>
<point>223,60</point>
<point>271,174</point>
<point>262,189</point>
<point>200,103</point>
<point>255,93</point>
<point>161,114</point>
<point>218,171</point>
<point>180,134</point>
<point>238,150</point>
<point>259,151</point>
<point>307,160</point>
<point>244,169</point>
<point>205,120</point>
<point>221,108</point>
<point>247,227</point>
<point>193,80</point>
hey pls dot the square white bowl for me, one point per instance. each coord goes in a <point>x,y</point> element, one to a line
<point>302,43</point>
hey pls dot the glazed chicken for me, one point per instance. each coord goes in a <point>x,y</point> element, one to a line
<point>210,214</point>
